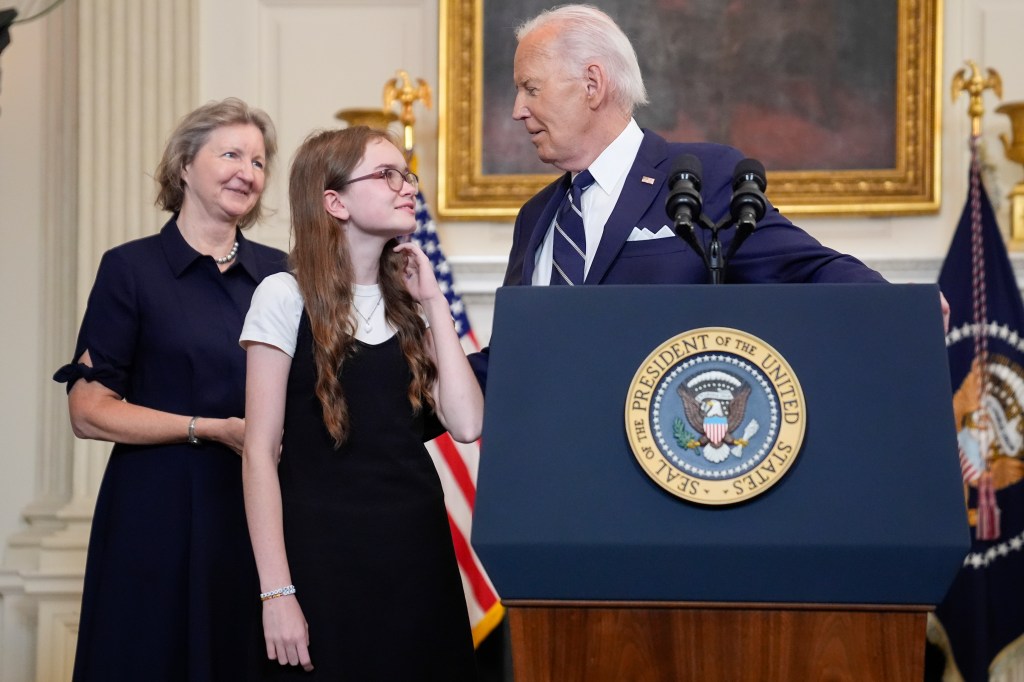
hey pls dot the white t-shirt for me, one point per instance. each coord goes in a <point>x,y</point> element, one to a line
<point>276,309</point>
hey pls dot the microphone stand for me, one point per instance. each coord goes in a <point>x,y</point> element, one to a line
<point>714,260</point>
<point>716,263</point>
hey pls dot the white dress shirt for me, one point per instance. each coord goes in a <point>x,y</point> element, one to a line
<point>609,171</point>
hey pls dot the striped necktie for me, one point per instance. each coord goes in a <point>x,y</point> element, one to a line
<point>569,255</point>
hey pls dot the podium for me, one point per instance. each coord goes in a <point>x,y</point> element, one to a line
<point>829,575</point>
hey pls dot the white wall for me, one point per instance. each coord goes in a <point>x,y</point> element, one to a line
<point>21,259</point>
<point>22,186</point>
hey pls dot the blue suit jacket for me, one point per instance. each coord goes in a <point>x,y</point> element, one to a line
<point>776,252</point>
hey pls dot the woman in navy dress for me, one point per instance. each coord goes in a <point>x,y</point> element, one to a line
<point>170,580</point>
<point>354,358</point>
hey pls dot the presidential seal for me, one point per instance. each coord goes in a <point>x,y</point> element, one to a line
<point>715,416</point>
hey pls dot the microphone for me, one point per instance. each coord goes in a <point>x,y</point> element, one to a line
<point>748,203</point>
<point>684,203</point>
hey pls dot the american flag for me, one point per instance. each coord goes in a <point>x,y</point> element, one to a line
<point>457,463</point>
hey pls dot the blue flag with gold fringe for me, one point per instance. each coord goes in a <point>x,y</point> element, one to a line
<point>980,623</point>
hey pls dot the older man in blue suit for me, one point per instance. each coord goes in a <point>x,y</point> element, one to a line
<point>577,83</point>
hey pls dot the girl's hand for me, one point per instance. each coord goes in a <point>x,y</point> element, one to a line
<point>286,632</point>
<point>419,274</point>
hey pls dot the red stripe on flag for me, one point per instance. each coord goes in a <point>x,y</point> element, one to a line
<point>454,467</point>
<point>460,472</point>
<point>482,591</point>
<point>967,469</point>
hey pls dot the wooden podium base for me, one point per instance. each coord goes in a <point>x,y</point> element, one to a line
<point>642,642</point>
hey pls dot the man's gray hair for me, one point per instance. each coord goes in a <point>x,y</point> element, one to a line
<point>585,33</point>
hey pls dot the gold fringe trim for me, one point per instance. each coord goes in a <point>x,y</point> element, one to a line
<point>487,624</point>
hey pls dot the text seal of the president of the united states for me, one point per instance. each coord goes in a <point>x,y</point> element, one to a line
<point>715,416</point>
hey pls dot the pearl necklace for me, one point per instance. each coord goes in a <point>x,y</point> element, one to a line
<point>230,257</point>
<point>366,318</point>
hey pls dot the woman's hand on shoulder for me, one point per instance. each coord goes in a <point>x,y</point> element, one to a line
<point>286,632</point>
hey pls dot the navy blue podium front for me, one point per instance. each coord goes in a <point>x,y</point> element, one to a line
<point>870,513</point>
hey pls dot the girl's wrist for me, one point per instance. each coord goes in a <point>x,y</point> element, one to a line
<point>285,591</point>
<point>436,304</point>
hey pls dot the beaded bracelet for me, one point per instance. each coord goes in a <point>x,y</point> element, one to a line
<point>279,592</point>
<point>192,440</point>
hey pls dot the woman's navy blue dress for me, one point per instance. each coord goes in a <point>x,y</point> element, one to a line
<point>171,592</point>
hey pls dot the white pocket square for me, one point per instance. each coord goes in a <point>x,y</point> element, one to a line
<point>640,234</point>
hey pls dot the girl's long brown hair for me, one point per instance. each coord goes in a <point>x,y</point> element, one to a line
<point>322,266</point>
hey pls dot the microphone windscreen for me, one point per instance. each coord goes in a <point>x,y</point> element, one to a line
<point>685,164</point>
<point>750,168</point>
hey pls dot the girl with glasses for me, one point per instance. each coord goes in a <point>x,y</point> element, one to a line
<point>353,356</point>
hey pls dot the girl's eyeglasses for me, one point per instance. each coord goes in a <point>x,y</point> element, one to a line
<point>395,178</point>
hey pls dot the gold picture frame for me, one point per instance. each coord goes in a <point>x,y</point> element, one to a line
<point>906,183</point>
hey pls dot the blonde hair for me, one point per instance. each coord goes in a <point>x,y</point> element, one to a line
<point>192,133</point>
<point>322,266</point>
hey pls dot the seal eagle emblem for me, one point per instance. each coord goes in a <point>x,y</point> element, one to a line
<point>715,416</point>
<point>714,403</point>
